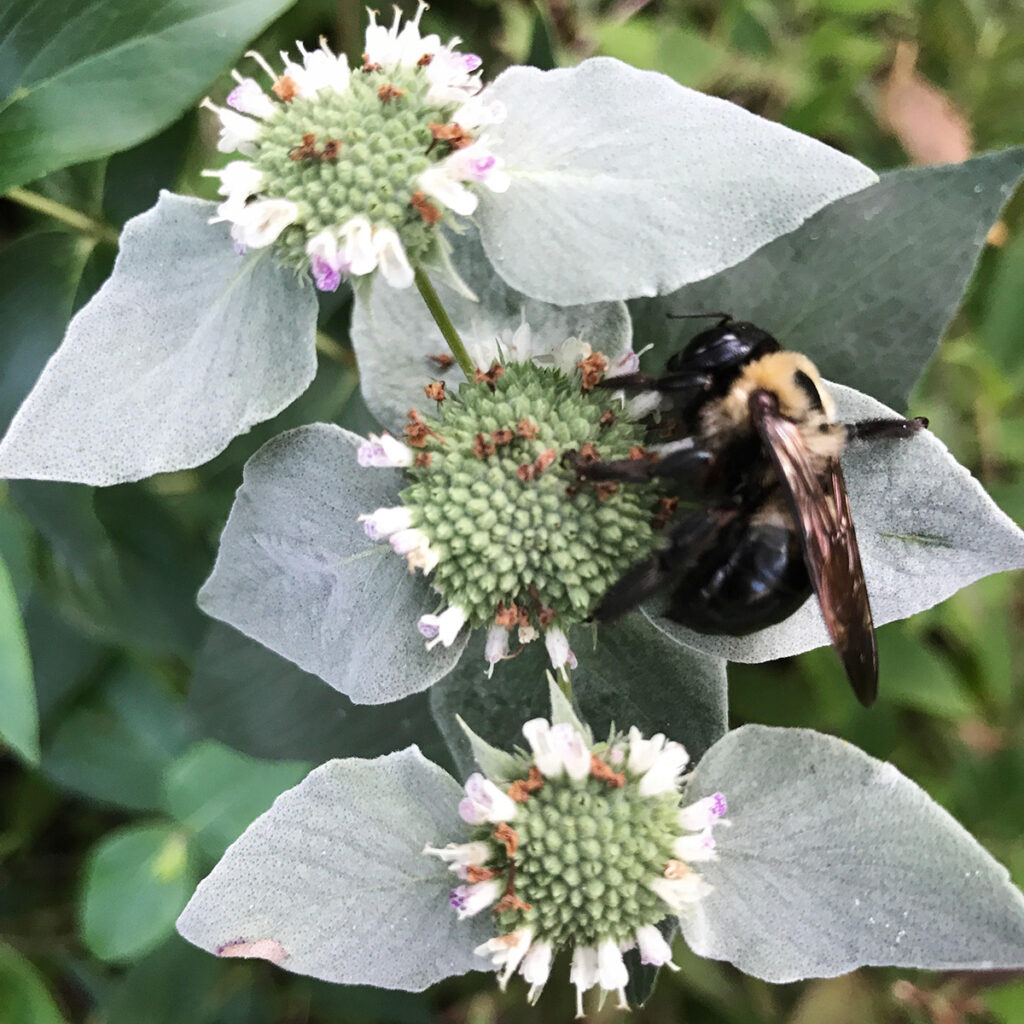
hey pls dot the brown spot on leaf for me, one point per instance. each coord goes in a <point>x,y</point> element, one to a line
<point>443,359</point>
<point>434,390</point>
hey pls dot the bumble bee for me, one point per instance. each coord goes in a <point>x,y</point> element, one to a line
<point>768,521</point>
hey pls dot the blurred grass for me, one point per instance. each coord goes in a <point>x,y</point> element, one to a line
<point>115,730</point>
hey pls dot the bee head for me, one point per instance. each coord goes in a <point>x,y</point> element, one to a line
<point>795,381</point>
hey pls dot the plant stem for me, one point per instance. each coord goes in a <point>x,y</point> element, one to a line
<point>443,321</point>
<point>58,211</point>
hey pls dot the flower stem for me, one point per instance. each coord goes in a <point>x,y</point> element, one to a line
<point>443,321</point>
<point>58,211</point>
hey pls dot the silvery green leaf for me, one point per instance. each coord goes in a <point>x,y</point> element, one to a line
<point>296,572</point>
<point>834,860</point>
<point>394,335</point>
<point>867,286</point>
<point>636,675</point>
<point>655,184</point>
<point>562,711</point>
<point>925,528</point>
<point>332,881</point>
<point>497,765</point>
<point>184,347</point>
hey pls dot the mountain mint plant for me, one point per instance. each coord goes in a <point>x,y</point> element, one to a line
<point>785,852</point>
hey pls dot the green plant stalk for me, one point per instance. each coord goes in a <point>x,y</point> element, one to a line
<point>65,214</point>
<point>443,321</point>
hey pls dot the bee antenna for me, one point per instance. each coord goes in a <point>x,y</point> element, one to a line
<point>720,316</point>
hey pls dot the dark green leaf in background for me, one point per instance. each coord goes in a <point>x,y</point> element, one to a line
<point>78,81</point>
<point>136,882</point>
<point>217,792</point>
<point>19,719</point>
<point>24,998</point>
<point>867,286</point>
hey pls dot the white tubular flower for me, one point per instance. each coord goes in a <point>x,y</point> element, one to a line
<point>237,132</point>
<point>680,888</point>
<point>415,545</point>
<point>451,75</point>
<point>325,260</point>
<point>382,450</point>
<point>485,802</point>
<point>259,224</point>
<point>248,98</point>
<point>495,647</point>
<point>654,950</point>
<point>571,748</point>
<point>442,183</point>
<point>559,651</point>
<point>506,952</point>
<point>697,847</point>
<point>391,258</point>
<point>665,773</point>
<point>459,856</point>
<point>444,628</point>
<point>612,975</point>
<point>356,246</point>
<point>469,900</point>
<point>536,968</point>
<point>546,754</point>
<point>704,813</point>
<point>583,973</point>
<point>325,69</point>
<point>385,521</point>
<point>643,752</point>
<point>477,163</point>
<point>238,180</point>
<point>479,112</point>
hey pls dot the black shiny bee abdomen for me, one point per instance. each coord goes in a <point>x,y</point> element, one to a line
<point>751,576</point>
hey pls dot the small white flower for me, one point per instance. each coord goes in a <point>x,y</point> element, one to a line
<point>666,771</point>
<point>527,634</point>
<point>391,258</point>
<point>704,813</point>
<point>324,69</point>
<point>248,98</point>
<point>237,132</point>
<point>324,260</point>
<point>477,163</point>
<point>451,75</point>
<point>583,973</point>
<point>559,651</point>
<point>697,847</point>
<point>238,180</point>
<point>653,948</point>
<point>506,952</point>
<point>415,545</point>
<point>546,755</point>
<point>440,182</point>
<point>382,450</point>
<point>485,802</point>
<point>682,890</point>
<point>643,752</point>
<point>356,246</point>
<point>495,647</point>
<point>642,405</point>
<point>479,112</point>
<point>444,628</point>
<point>459,856</point>
<point>573,750</point>
<point>536,968</point>
<point>469,900</point>
<point>260,223</point>
<point>612,975</point>
<point>385,521</point>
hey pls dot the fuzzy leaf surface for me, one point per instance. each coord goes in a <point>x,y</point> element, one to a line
<point>835,860</point>
<point>656,184</point>
<point>184,347</point>
<point>335,876</point>
<point>296,571</point>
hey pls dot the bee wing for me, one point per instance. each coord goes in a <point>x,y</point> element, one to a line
<point>825,525</point>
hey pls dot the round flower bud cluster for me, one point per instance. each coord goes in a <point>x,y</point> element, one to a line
<point>495,512</point>
<point>350,170</point>
<point>588,851</point>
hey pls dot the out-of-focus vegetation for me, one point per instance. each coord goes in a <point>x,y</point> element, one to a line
<point>161,739</point>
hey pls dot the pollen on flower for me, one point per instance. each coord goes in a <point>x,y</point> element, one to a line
<point>515,540</point>
<point>593,865</point>
<point>356,156</point>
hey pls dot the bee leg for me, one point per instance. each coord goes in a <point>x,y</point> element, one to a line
<point>870,430</point>
<point>670,384</point>
<point>647,577</point>
<point>683,463</point>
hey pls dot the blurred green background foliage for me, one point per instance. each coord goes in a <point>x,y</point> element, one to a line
<point>161,736</point>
